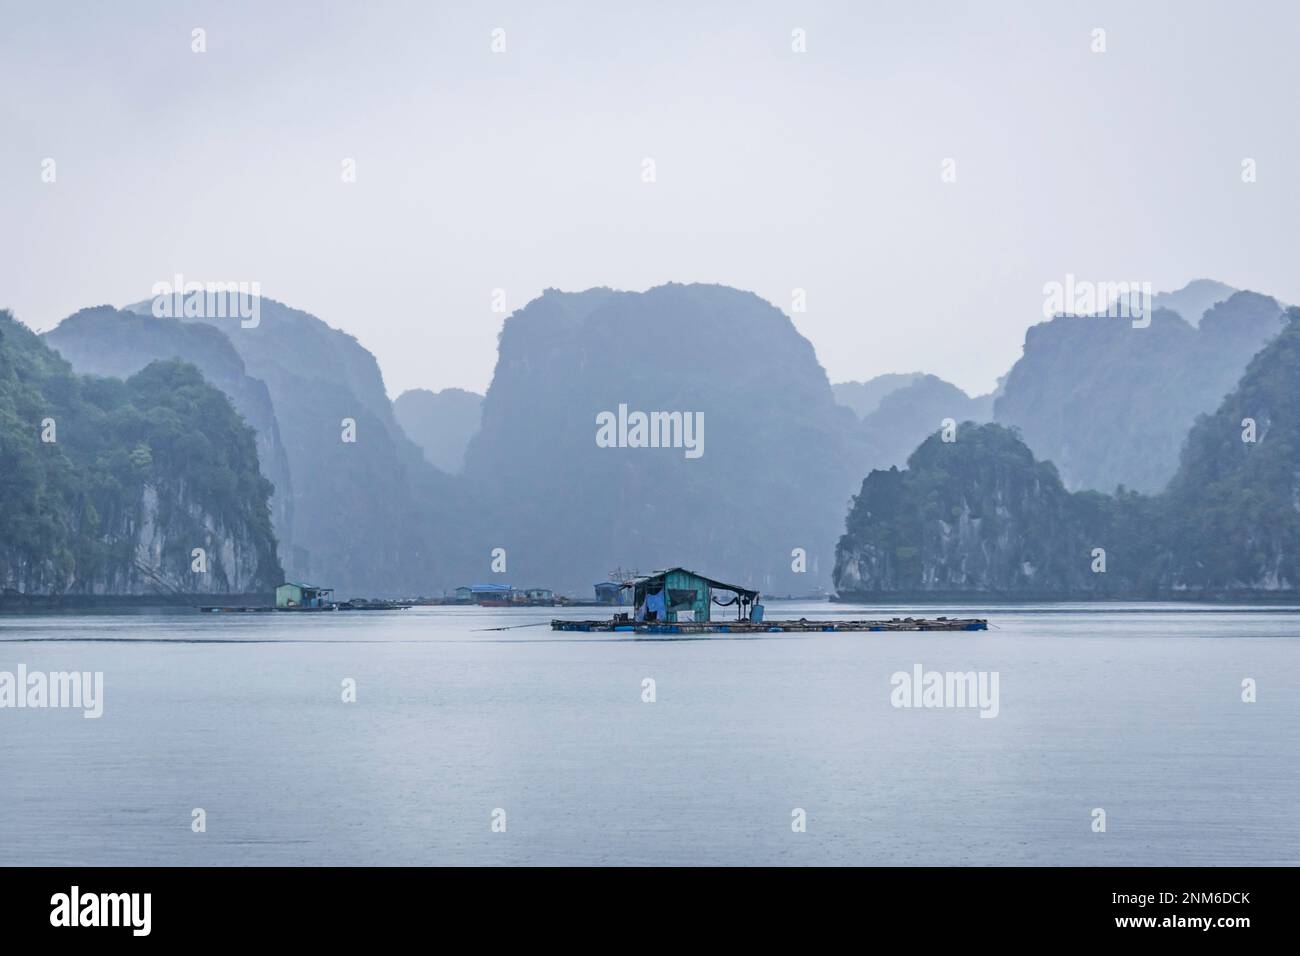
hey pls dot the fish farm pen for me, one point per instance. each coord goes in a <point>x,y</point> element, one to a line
<point>767,627</point>
<point>678,601</point>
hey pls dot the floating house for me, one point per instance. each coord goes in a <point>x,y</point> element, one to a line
<point>290,596</point>
<point>485,593</point>
<point>676,595</point>
<point>678,601</point>
<point>610,592</point>
<point>502,595</point>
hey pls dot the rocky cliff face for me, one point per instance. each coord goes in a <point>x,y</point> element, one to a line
<point>158,538</point>
<point>1110,404</point>
<point>144,486</point>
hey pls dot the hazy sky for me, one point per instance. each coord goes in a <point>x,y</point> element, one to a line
<point>522,170</point>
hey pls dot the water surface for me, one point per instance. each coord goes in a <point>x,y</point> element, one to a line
<point>1135,709</point>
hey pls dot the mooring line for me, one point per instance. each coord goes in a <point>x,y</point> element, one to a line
<point>511,627</point>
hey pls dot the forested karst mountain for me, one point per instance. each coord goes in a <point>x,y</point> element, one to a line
<point>778,458</point>
<point>441,423</point>
<point>109,342</point>
<point>1110,404</point>
<point>1105,403</point>
<point>1232,511</point>
<point>981,516</point>
<point>110,485</point>
<point>371,516</point>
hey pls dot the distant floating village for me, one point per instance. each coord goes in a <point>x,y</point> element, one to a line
<point>672,601</point>
<point>503,595</point>
<point>614,592</point>
<point>292,596</point>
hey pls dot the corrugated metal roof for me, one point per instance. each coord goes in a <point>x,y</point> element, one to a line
<point>711,582</point>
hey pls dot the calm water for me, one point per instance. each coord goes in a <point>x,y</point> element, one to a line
<point>1134,709</point>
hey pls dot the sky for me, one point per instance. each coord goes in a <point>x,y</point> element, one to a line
<point>524,168</point>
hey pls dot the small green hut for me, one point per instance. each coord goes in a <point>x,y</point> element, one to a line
<point>677,594</point>
<point>289,595</point>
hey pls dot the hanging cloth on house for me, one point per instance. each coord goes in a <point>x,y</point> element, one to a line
<point>655,602</point>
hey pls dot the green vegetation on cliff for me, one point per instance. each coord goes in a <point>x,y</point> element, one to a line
<point>981,515</point>
<point>110,484</point>
<point>1233,509</point>
<point>118,343</point>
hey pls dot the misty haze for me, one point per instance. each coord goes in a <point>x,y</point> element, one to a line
<point>580,434</point>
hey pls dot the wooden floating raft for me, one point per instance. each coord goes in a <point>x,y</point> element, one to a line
<point>343,606</point>
<point>768,627</point>
<point>661,597</point>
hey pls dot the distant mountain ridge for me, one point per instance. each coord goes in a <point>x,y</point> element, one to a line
<point>864,397</point>
<point>441,423</point>
<point>907,415</point>
<point>1196,298</point>
<point>1110,404</point>
<point>388,516</point>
